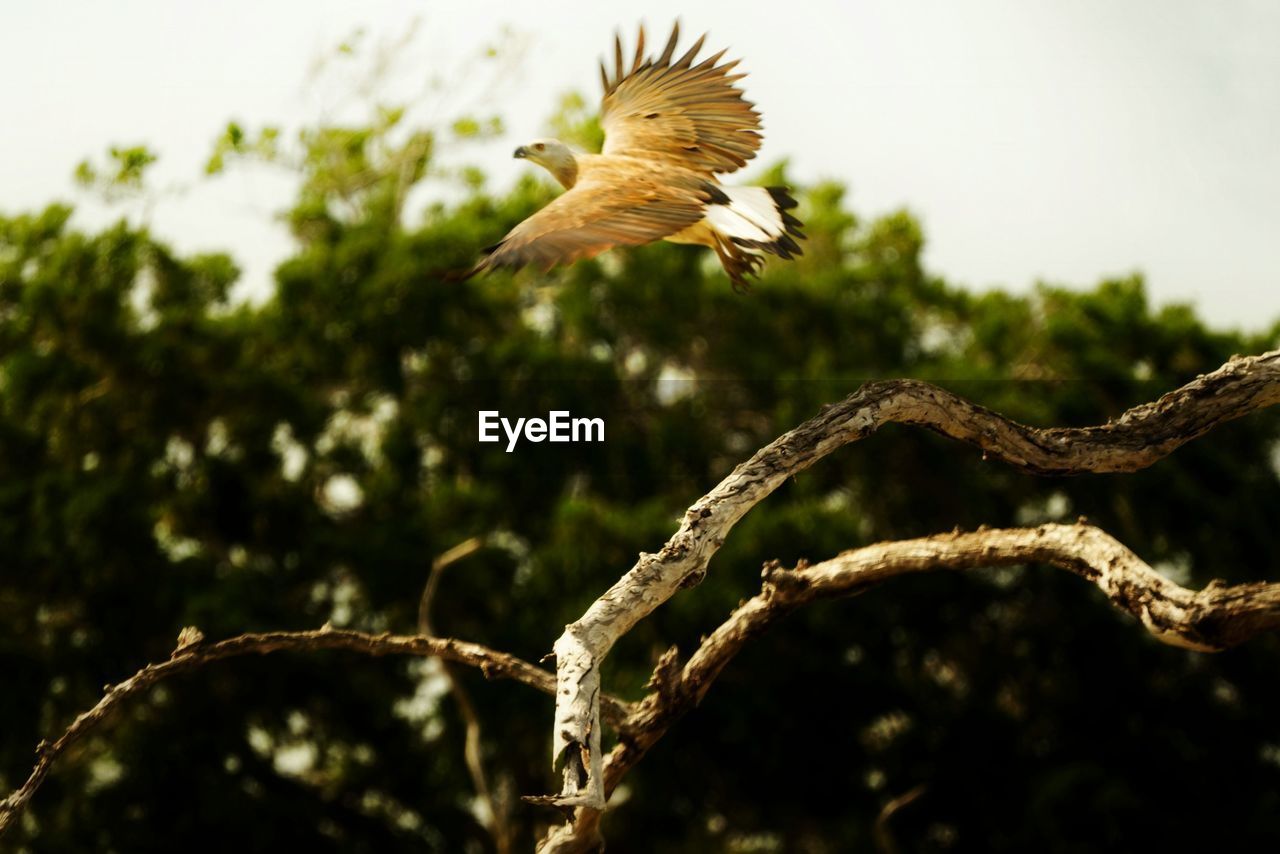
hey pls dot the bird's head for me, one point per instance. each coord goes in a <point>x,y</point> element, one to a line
<point>554,156</point>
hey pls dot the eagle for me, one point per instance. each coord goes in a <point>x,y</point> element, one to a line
<point>671,128</point>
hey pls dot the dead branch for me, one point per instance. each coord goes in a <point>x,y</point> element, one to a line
<point>1208,620</point>
<point>461,551</point>
<point>498,820</point>
<point>883,834</point>
<point>192,653</point>
<point>1137,439</point>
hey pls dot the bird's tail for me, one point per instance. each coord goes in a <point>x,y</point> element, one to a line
<point>749,221</point>
<point>758,218</point>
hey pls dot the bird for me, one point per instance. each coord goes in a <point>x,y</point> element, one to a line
<point>672,127</point>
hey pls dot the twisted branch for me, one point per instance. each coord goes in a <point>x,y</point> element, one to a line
<point>1137,439</point>
<point>192,653</point>
<point>1214,618</point>
<point>1208,620</point>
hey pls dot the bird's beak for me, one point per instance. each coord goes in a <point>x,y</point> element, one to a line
<point>521,152</point>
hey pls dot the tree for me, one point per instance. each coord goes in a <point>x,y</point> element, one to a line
<point>169,459</point>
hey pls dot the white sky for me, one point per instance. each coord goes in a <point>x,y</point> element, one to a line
<point>1061,141</point>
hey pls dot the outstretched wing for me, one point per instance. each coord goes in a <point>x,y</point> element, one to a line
<point>594,216</point>
<point>692,114</point>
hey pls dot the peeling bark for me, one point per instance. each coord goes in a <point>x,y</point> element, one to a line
<point>1208,620</point>
<point>1140,437</point>
<point>1217,617</point>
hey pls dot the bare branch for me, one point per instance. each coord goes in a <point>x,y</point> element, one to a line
<point>192,653</point>
<point>1209,620</point>
<point>1137,439</point>
<point>883,834</point>
<point>462,550</point>
<point>497,821</point>
<point>1214,618</point>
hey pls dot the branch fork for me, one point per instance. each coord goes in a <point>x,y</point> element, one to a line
<point>1135,440</point>
<point>1215,618</point>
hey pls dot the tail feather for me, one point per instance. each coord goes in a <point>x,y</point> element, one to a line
<point>782,198</point>
<point>749,222</point>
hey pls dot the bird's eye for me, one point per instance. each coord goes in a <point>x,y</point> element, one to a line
<point>537,146</point>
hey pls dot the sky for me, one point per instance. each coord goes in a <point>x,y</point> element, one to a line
<point>1037,141</point>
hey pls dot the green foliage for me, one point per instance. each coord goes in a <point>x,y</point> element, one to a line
<point>576,123</point>
<point>468,127</point>
<point>235,142</point>
<point>123,174</point>
<point>169,459</point>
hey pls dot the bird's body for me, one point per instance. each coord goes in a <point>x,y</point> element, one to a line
<point>671,127</point>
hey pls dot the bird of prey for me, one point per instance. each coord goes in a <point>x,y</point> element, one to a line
<point>671,127</point>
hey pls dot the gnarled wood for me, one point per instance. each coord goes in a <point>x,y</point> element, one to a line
<point>1214,618</point>
<point>1208,620</point>
<point>1137,439</point>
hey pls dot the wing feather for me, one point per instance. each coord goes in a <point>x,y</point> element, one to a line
<point>617,53</point>
<point>596,215</point>
<point>665,59</point>
<point>635,64</point>
<point>693,115</point>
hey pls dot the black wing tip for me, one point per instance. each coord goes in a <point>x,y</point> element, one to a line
<point>715,195</point>
<point>785,203</point>
<point>782,198</point>
<point>785,245</point>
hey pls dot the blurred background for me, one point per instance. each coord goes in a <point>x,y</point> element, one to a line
<point>237,392</point>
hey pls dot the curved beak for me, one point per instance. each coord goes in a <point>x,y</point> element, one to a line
<point>521,152</point>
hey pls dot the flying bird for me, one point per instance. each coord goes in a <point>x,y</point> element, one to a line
<point>671,127</point>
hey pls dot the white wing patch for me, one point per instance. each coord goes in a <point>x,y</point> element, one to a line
<point>750,215</point>
<point>742,226</point>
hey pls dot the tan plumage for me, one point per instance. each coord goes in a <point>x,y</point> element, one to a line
<point>614,201</point>
<point>689,114</point>
<point>670,127</point>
